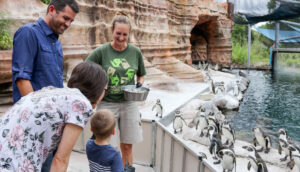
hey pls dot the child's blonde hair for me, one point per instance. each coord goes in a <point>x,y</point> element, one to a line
<point>103,123</point>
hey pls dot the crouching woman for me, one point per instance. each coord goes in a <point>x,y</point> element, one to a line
<point>50,119</point>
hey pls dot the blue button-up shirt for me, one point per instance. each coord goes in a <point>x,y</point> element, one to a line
<point>37,56</point>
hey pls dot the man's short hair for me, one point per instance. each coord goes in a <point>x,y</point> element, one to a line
<point>103,123</point>
<point>59,5</point>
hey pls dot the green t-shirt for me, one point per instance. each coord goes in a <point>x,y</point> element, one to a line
<point>120,67</point>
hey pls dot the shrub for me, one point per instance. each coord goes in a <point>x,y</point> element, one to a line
<point>5,37</point>
<point>46,1</point>
<point>5,41</point>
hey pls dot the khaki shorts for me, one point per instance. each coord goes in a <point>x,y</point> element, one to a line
<point>128,122</point>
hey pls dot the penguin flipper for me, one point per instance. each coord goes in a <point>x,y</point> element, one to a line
<point>153,107</point>
<point>249,166</point>
<point>254,142</point>
<point>279,149</point>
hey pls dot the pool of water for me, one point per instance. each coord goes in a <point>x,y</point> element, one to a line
<point>270,102</point>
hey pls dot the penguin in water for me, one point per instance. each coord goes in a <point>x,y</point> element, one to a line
<point>295,160</point>
<point>261,139</point>
<point>255,161</point>
<point>215,146</point>
<point>228,159</point>
<point>284,142</point>
<point>178,121</point>
<point>228,133</point>
<point>159,108</point>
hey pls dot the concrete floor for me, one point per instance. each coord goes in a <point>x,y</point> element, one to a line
<point>79,163</point>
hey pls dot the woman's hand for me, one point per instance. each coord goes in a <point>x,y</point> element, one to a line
<point>61,158</point>
<point>140,81</point>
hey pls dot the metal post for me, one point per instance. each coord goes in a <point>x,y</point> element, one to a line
<point>153,144</point>
<point>183,160</point>
<point>249,43</point>
<point>275,56</point>
<point>162,150</point>
<point>171,155</point>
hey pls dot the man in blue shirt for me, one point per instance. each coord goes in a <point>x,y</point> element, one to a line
<point>37,59</point>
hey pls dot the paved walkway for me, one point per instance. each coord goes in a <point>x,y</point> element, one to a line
<point>79,163</point>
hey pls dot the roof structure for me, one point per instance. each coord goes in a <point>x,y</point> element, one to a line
<point>285,36</point>
<point>255,11</point>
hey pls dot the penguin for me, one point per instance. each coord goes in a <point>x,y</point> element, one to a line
<point>228,159</point>
<point>220,88</point>
<point>159,108</point>
<point>295,160</point>
<point>178,121</point>
<point>228,133</point>
<point>195,121</point>
<point>213,121</point>
<point>255,161</point>
<point>215,146</point>
<point>262,139</point>
<point>203,123</point>
<point>284,142</point>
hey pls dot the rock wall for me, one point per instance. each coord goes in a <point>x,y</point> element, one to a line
<point>170,33</point>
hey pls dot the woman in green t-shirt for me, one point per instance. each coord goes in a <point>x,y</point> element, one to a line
<point>122,61</point>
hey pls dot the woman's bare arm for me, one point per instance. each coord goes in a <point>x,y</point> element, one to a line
<point>61,158</point>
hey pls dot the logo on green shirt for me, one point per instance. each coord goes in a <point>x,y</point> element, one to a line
<point>114,80</point>
<point>130,73</point>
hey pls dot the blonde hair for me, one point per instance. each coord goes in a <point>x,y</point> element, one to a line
<point>103,123</point>
<point>121,17</point>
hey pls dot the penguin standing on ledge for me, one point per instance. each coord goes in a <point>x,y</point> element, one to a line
<point>284,142</point>
<point>215,146</point>
<point>178,121</point>
<point>203,123</point>
<point>159,108</point>
<point>255,161</point>
<point>295,160</point>
<point>228,133</point>
<point>261,139</point>
<point>228,159</point>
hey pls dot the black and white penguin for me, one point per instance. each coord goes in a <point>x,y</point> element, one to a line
<point>212,120</point>
<point>261,139</point>
<point>159,108</point>
<point>255,161</point>
<point>203,123</point>
<point>295,158</point>
<point>284,142</point>
<point>178,121</point>
<point>228,159</point>
<point>228,133</point>
<point>220,88</point>
<point>215,146</point>
<point>195,121</point>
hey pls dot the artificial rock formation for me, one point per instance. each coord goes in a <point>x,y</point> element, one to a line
<point>170,33</point>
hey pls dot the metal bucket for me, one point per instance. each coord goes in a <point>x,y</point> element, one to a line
<point>131,93</point>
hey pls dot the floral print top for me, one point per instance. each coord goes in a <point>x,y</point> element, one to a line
<point>33,127</point>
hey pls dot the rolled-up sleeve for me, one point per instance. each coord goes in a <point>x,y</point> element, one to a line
<point>24,52</point>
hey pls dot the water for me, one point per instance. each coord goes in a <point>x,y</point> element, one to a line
<point>270,102</point>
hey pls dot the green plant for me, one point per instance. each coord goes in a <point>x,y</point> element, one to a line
<point>5,37</point>
<point>46,1</point>
<point>5,41</point>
